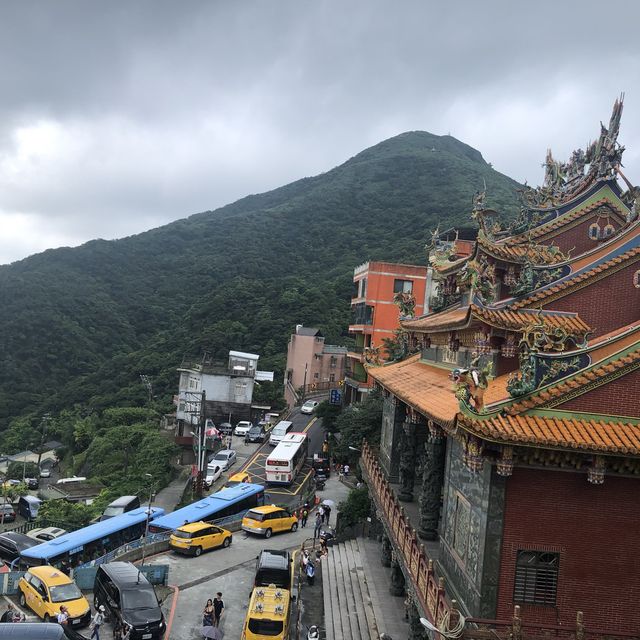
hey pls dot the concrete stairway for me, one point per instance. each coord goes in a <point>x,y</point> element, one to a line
<point>348,613</point>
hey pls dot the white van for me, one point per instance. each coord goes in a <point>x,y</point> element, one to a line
<point>279,431</point>
<point>72,479</point>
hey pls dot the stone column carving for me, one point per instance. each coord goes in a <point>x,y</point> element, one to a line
<point>408,458</point>
<point>432,480</point>
<point>385,553</point>
<point>397,579</point>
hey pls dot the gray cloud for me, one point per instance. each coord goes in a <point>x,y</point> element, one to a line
<point>118,117</point>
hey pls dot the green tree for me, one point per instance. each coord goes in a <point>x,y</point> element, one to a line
<point>354,509</point>
<point>329,414</point>
<point>358,421</point>
<point>71,515</point>
<point>19,470</point>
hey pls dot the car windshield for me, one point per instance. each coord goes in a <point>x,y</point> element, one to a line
<point>139,599</point>
<point>64,592</point>
<point>113,511</point>
<point>265,627</point>
<point>221,456</point>
<point>255,515</point>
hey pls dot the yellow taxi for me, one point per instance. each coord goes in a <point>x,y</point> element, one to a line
<point>237,478</point>
<point>44,589</point>
<point>197,537</point>
<point>268,520</point>
<point>268,614</point>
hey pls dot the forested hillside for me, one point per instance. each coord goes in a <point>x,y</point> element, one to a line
<point>78,326</point>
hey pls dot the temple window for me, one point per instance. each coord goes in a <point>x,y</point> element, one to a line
<point>594,231</point>
<point>402,286</point>
<point>536,580</point>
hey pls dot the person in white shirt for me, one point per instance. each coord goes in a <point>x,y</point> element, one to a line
<point>97,622</point>
<point>63,616</point>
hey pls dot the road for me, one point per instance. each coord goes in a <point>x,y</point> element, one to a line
<point>254,466</point>
<point>232,571</point>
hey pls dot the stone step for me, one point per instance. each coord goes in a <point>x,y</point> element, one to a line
<point>326,596</point>
<point>369,610</point>
<point>359,590</point>
<point>354,597</point>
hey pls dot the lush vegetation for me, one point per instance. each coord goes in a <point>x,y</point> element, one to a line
<point>79,326</point>
<point>354,509</point>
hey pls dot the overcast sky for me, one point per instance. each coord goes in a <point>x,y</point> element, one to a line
<point>117,117</point>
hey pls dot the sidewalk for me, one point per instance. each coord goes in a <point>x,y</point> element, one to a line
<point>171,495</point>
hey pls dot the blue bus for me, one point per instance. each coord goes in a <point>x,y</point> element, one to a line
<point>81,546</point>
<point>227,502</point>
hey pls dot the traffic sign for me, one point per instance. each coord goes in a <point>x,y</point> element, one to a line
<point>335,397</point>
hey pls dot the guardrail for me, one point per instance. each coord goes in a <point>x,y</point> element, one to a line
<point>429,588</point>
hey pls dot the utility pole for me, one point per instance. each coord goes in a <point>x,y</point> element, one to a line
<point>202,449</point>
<point>44,426</point>
<point>304,383</point>
<point>146,527</point>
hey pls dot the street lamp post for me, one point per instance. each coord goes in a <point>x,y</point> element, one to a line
<point>146,526</point>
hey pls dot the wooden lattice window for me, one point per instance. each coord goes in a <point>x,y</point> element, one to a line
<point>536,578</point>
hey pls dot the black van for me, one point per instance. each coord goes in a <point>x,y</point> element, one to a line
<point>13,544</point>
<point>120,506</point>
<point>129,598</point>
<point>274,567</point>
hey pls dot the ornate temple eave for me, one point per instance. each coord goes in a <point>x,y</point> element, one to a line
<point>559,433</point>
<point>628,254</point>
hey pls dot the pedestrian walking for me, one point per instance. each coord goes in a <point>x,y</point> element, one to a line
<point>305,515</point>
<point>97,622</point>
<point>327,513</point>
<point>218,609</point>
<point>208,614</point>
<point>316,530</point>
<point>321,512</point>
<point>346,469</point>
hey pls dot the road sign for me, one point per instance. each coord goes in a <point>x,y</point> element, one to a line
<point>335,397</point>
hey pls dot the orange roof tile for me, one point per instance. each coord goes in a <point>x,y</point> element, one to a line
<point>424,387</point>
<point>451,318</point>
<point>565,433</point>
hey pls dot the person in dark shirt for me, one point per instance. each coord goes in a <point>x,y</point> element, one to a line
<point>7,616</point>
<point>218,609</point>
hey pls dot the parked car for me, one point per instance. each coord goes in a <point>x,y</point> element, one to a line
<point>28,507</point>
<point>44,534</point>
<point>45,472</point>
<point>214,471</point>
<point>242,428</point>
<point>257,433</point>
<point>121,505</point>
<point>32,483</point>
<point>13,544</point>
<point>237,478</point>
<point>224,458</point>
<point>309,406</point>
<point>225,428</point>
<point>44,589</point>
<point>7,512</point>
<point>268,520</point>
<point>129,598</point>
<point>274,567</point>
<point>197,537</point>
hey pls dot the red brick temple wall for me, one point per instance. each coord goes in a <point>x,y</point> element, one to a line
<point>618,398</point>
<point>595,529</point>
<point>605,305</point>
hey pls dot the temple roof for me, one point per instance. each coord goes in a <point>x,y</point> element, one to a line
<point>559,432</point>
<point>539,254</point>
<point>462,317</point>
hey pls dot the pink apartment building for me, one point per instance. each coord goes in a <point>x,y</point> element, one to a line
<point>312,365</point>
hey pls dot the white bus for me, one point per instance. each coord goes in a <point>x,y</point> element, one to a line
<point>286,460</point>
<point>279,431</point>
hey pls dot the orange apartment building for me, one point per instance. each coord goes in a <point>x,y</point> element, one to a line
<point>375,315</point>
